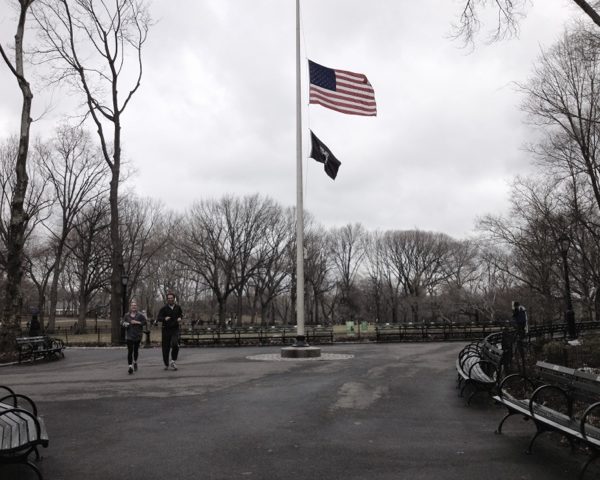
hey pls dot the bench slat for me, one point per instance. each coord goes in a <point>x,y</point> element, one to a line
<point>7,435</point>
<point>11,434</point>
<point>19,430</point>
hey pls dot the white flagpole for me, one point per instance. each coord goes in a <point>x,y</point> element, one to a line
<point>299,200</point>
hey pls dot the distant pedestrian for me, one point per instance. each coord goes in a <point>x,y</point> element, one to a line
<point>35,328</point>
<point>519,319</point>
<point>134,323</point>
<point>170,316</point>
<point>519,323</point>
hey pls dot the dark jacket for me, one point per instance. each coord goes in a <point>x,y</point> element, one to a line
<point>519,319</point>
<point>166,311</point>
<point>35,328</point>
<point>134,332</point>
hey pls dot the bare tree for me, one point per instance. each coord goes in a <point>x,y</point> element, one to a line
<point>88,252</point>
<point>144,230</point>
<point>564,99</point>
<point>508,14</point>
<point>249,221</point>
<point>462,268</point>
<point>416,260</point>
<point>37,201</point>
<point>220,242</point>
<point>347,251</point>
<point>272,278</point>
<point>461,263</point>
<point>385,281</point>
<point>560,159</point>
<point>494,286</point>
<point>94,45</point>
<point>37,208</point>
<point>11,317</point>
<point>531,235</point>
<point>39,265</point>
<point>318,274</point>
<point>76,172</point>
<point>374,266</point>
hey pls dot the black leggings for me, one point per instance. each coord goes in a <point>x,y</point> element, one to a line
<point>132,351</point>
<point>170,342</point>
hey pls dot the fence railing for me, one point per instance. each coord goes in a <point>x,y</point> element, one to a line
<point>282,335</point>
<point>420,332</point>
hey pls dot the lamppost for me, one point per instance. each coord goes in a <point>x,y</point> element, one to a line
<point>124,281</point>
<point>565,242</point>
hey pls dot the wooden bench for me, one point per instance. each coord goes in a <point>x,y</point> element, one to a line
<point>31,348</point>
<point>557,399</point>
<point>479,365</point>
<point>21,430</point>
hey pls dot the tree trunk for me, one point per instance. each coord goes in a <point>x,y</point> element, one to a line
<point>240,307</point>
<point>83,306</point>
<point>597,303</point>
<point>589,10</point>
<point>116,260</point>
<point>221,311</point>
<point>54,288</point>
<point>13,301</point>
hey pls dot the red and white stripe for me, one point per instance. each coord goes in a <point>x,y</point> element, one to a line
<point>354,95</point>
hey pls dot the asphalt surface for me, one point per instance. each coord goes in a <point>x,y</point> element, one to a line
<point>388,412</point>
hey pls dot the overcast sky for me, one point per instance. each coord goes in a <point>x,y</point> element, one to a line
<point>216,110</point>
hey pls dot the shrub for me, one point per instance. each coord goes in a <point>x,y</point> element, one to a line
<point>592,351</point>
<point>553,352</point>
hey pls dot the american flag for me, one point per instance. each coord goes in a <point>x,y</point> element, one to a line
<point>342,91</point>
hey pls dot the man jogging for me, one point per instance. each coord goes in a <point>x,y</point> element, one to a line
<point>170,316</point>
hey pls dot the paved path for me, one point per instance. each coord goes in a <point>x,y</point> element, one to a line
<point>389,412</point>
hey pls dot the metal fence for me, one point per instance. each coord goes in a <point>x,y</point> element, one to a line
<point>100,335</point>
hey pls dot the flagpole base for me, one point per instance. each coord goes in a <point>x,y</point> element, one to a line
<point>301,341</point>
<point>300,352</point>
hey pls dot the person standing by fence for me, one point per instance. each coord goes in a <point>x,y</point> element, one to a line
<point>170,316</point>
<point>519,323</point>
<point>35,328</point>
<point>134,323</point>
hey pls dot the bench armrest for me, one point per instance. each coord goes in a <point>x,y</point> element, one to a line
<point>9,390</point>
<point>485,362</point>
<point>15,401</point>
<point>539,390</point>
<point>509,378</point>
<point>470,347</point>
<point>56,343</point>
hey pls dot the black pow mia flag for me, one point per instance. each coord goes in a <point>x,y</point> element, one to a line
<point>322,154</point>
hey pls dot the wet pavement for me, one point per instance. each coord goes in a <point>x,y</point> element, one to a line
<point>363,411</point>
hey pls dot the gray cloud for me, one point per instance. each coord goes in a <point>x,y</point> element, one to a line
<point>216,110</point>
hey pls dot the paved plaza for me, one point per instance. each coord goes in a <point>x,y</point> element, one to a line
<point>388,411</point>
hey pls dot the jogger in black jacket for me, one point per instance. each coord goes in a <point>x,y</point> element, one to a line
<point>170,316</point>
